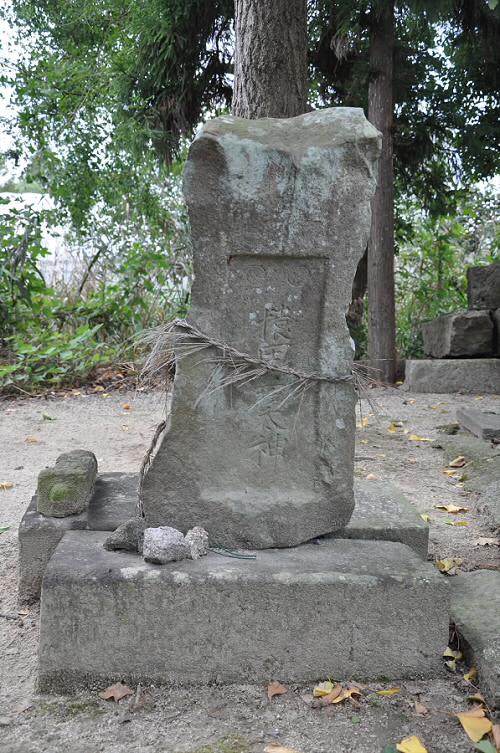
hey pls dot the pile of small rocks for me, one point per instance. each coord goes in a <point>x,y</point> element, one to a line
<point>158,545</point>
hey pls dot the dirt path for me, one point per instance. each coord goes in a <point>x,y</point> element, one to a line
<point>34,432</point>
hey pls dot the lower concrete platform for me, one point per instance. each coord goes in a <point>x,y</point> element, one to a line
<point>475,611</point>
<point>480,423</point>
<point>381,513</point>
<point>462,375</point>
<point>341,608</point>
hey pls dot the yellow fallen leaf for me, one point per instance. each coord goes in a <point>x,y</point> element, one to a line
<point>4,485</point>
<point>496,735</point>
<point>458,462</point>
<point>416,438</point>
<point>475,698</point>
<point>98,388</point>
<point>448,563</point>
<point>392,428</point>
<point>479,397</point>
<point>331,697</point>
<point>31,440</point>
<point>363,441</point>
<point>275,688</point>
<point>456,522</point>
<point>425,517</point>
<point>452,508</point>
<point>323,688</point>
<point>470,675</point>
<point>450,472</point>
<point>346,693</point>
<point>411,744</point>
<point>454,654</point>
<point>363,423</point>
<point>389,691</point>
<point>475,723</point>
<point>452,664</point>
<point>277,748</point>
<point>372,477</point>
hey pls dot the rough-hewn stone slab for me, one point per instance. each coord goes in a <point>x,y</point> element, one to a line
<point>67,487</point>
<point>459,335</point>
<point>383,513</point>
<point>471,376</point>
<point>483,287</point>
<point>280,215</point>
<point>475,610</point>
<point>109,615</point>
<point>483,425</point>
<point>114,500</point>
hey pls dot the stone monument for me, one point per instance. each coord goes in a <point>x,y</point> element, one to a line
<point>280,216</point>
<point>258,450</point>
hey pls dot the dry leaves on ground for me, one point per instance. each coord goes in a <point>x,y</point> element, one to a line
<point>277,748</point>
<point>411,744</point>
<point>275,688</point>
<point>30,439</point>
<point>457,462</point>
<point>417,438</point>
<point>470,675</point>
<point>475,723</point>
<point>426,518</point>
<point>116,692</point>
<point>4,485</point>
<point>452,508</point>
<point>449,565</point>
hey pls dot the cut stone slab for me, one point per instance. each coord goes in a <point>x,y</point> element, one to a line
<point>483,287</point>
<point>383,513</point>
<point>484,425</point>
<point>67,487</point>
<point>108,615</point>
<point>475,610</point>
<point>471,376</point>
<point>114,500</point>
<point>457,335</point>
<point>280,215</point>
<point>489,503</point>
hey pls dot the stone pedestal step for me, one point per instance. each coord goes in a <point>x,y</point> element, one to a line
<point>483,425</point>
<point>468,376</point>
<point>343,609</point>
<point>381,512</point>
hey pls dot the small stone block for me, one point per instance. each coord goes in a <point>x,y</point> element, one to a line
<point>459,335</point>
<point>218,619</point>
<point>475,610</point>
<point>66,489</point>
<point>129,536</point>
<point>483,425</point>
<point>467,376</point>
<point>164,544</point>
<point>483,287</point>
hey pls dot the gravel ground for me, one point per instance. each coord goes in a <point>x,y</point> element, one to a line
<point>234,719</point>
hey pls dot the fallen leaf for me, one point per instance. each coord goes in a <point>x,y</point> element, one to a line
<point>485,541</point>
<point>411,744</point>
<point>476,698</point>
<point>116,692</point>
<point>346,693</point>
<point>323,688</point>
<point>416,438</point>
<point>23,612</point>
<point>475,723</point>
<point>31,440</point>
<point>457,462</point>
<point>470,675</point>
<point>452,664</point>
<point>456,522</point>
<point>275,688</point>
<point>363,441</point>
<point>76,393</point>
<point>330,697</point>
<point>46,417</point>
<point>372,477</point>
<point>363,423</point>
<point>105,394</point>
<point>449,472</point>
<point>389,691</point>
<point>420,709</point>
<point>98,388</point>
<point>425,517</point>
<point>409,402</point>
<point>277,748</point>
<point>484,746</point>
<point>496,735</point>
<point>452,508</point>
<point>479,397</point>
<point>4,485</point>
<point>452,653</point>
<point>126,406</point>
<point>4,528</point>
<point>449,563</point>
<point>394,426</point>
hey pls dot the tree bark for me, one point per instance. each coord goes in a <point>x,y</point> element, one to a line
<point>381,305</point>
<point>270,58</point>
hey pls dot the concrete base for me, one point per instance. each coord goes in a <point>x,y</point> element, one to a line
<point>464,375</point>
<point>339,609</point>
<point>475,610</point>
<point>483,425</point>
<point>381,513</point>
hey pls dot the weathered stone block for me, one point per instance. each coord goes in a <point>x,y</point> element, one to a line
<point>128,536</point>
<point>483,425</point>
<point>280,215</point>
<point>66,489</point>
<point>114,500</point>
<point>475,611</point>
<point>478,376</point>
<point>496,331</point>
<point>457,335</point>
<point>219,619</point>
<point>483,287</point>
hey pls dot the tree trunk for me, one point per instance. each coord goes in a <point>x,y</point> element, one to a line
<point>270,58</point>
<point>381,306</point>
